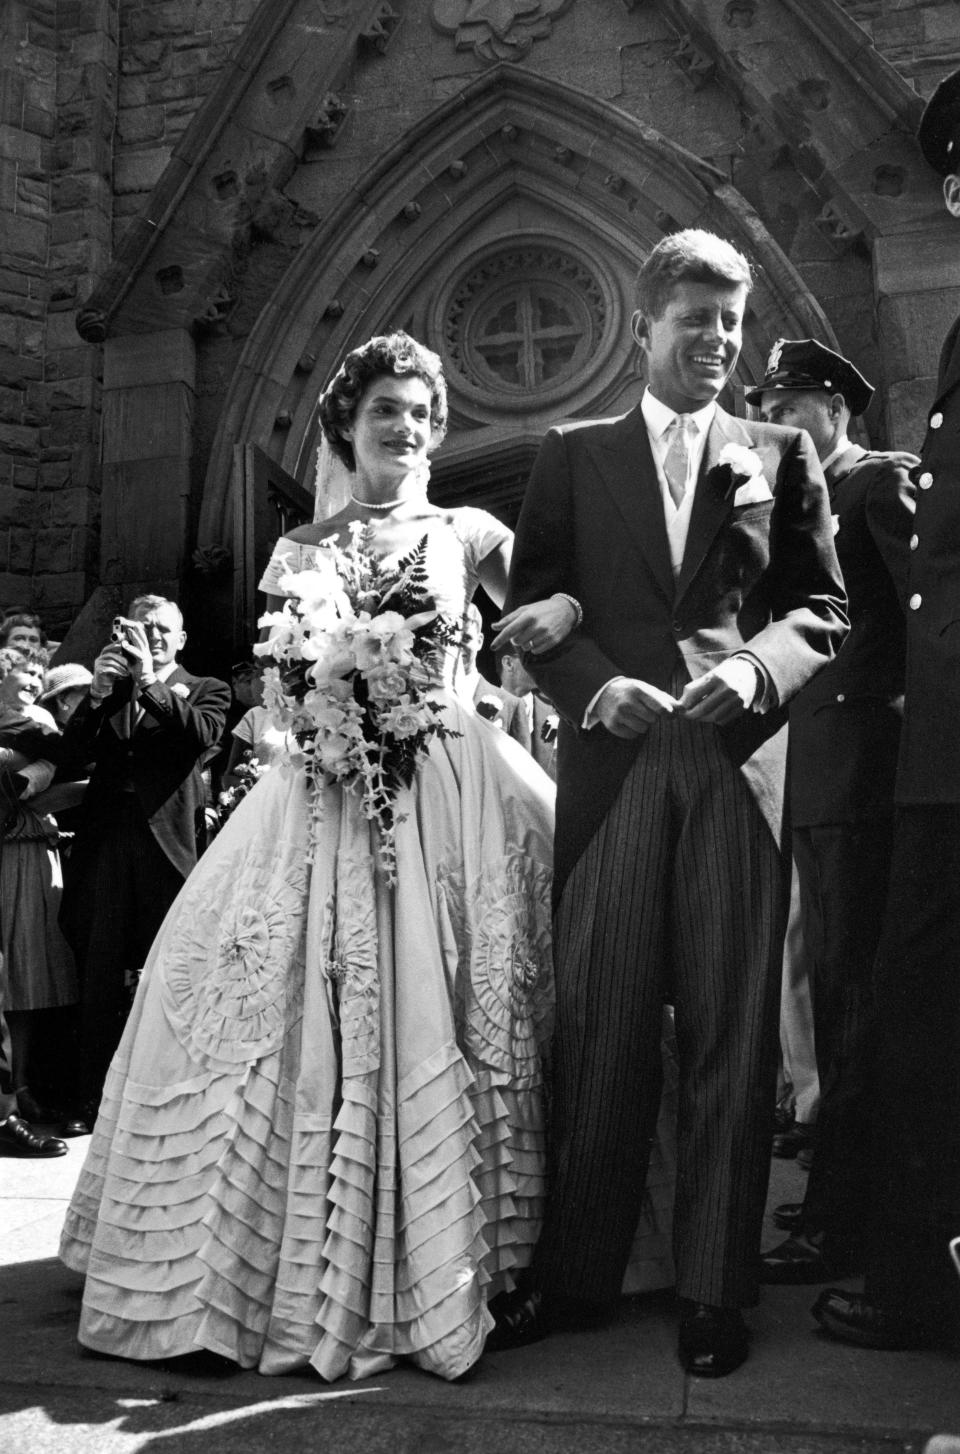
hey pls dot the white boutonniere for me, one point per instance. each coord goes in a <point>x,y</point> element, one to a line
<point>489,706</point>
<point>744,463</point>
<point>180,689</point>
<point>741,475</point>
<point>550,728</point>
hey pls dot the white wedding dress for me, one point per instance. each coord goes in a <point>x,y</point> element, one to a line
<point>321,1139</point>
<point>322,1136</point>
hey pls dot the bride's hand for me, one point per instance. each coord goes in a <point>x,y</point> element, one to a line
<point>537,627</point>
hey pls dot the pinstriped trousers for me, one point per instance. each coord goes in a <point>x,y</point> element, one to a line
<point>680,895</point>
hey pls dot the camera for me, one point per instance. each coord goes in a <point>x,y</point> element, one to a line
<point>121,629</point>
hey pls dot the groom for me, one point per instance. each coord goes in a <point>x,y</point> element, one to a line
<point>700,548</point>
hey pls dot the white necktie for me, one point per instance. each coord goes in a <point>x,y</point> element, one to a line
<point>676,462</point>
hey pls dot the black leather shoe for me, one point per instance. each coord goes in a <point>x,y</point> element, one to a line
<point>783,1119</point>
<point>712,1342</point>
<point>799,1261</point>
<point>853,1318</point>
<point>788,1216</point>
<point>18,1138</point>
<point>786,1144</point>
<point>518,1319</point>
<point>75,1126</point>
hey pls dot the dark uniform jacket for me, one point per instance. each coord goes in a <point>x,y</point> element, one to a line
<point>929,764</point>
<point>845,724</point>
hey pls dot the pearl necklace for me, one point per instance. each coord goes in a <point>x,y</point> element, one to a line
<point>371,505</point>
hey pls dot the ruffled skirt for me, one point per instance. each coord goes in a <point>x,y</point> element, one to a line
<point>322,1137</point>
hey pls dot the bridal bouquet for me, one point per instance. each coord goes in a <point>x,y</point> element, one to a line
<point>356,647</point>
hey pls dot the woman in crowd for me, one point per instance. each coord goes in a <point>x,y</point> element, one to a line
<point>23,631</point>
<point>39,965</point>
<point>321,1140</point>
<point>256,738</point>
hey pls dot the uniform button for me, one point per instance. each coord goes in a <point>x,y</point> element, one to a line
<point>678,627</point>
<point>914,541</point>
<point>936,420</point>
<point>915,601</point>
<point>841,697</point>
<point>925,480</point>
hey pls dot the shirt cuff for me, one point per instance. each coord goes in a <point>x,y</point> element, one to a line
<point>590,718</point>
<point>765,696</point>
<point>38,775</point>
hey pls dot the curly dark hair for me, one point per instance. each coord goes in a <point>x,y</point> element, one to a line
<point>395,354</point>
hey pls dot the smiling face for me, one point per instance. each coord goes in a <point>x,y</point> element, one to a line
<point>391,431</point>
<point>691,349</point>
<point>21,686</point>
<point>23,638</point>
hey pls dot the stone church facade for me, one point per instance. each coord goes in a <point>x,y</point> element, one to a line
<point>204,203</point>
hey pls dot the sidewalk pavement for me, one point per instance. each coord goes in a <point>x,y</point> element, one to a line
<point>609,1391</point>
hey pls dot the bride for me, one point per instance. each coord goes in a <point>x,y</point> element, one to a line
<point>321,1138</point>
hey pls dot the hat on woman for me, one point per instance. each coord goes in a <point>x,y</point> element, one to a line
<point>57,679</point>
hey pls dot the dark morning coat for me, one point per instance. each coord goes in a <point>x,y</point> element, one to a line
<point>762,576</point>
<point>182,722</point>
<point>845,723</point>
<point>929,764</point>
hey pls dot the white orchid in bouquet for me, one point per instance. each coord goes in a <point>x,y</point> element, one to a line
<point>356,648</point>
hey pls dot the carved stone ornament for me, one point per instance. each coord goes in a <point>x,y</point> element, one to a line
<point>525,320</point>
<point>497,30</point>
<point>211,560</point>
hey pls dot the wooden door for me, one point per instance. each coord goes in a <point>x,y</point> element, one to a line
<point>267,504</point>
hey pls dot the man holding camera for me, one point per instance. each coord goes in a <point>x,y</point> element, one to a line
<point>147,727</point>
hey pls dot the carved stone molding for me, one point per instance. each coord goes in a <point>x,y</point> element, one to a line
<point>695,65</point>
<point>211,560</point>
<point>380,30</point>
<point>840,232</point>
<point>322,133</point>
<point>497,30</point>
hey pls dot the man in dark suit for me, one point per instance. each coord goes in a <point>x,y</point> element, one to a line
<point>700,549</point>
<point>844,735</point>
<point>537,722</point>
<point>911,1294</point>
<point>492,702</point>
<point>148,726</point>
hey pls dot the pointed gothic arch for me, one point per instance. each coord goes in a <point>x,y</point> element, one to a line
<point>515,160</point>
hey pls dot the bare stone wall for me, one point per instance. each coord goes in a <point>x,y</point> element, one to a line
<point>172,52</point>
<point>920,37</point>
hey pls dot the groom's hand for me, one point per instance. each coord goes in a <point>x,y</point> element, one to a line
<point>628,707</point>
<point>722,694</point>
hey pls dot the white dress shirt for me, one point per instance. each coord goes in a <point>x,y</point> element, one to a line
<point>658,419</point>
<point>842,446</point>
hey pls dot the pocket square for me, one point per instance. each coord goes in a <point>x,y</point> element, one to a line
<point>754,492</point>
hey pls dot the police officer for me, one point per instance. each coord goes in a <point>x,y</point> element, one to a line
<point>843,743</point>
<point>911,1296</point>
